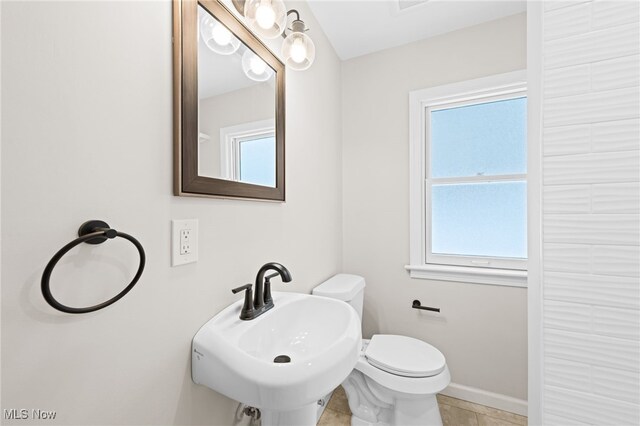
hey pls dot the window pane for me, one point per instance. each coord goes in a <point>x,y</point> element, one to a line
<point>480,219</point>
<point>482,139</point>
<point>258,161</point>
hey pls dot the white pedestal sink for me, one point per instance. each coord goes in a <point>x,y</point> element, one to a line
<point>317,341</point>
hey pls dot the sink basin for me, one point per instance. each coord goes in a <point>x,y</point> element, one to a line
<point>283,360</point>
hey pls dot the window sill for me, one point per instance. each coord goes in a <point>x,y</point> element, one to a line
<point>468,274</point>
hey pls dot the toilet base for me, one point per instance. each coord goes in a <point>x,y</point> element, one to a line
<point>374,405</point>
<point>429,417</point>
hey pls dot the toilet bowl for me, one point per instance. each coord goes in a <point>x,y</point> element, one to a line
<point>396,378</point>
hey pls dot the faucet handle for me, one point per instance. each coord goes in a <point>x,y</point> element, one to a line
<point>242,287</point>
<point>247,312</point>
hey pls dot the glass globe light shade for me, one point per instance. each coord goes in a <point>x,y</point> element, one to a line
<point>267,18</point>
<point>217,37</point>
<point>298,51</point>
<point>254,67</point>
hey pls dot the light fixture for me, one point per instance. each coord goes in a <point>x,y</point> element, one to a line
<point>298,50</point>
<point>217,37</point>
<point>267,18</point>
<point>254,67</point>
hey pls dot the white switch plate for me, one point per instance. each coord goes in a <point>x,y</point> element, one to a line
<point>184,241</point>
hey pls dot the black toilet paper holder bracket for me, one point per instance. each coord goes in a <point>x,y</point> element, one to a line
<point>417,305</point>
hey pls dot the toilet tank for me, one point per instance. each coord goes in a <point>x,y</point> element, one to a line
<point>346,287</point>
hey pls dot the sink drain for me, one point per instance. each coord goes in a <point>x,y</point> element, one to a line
<point>281,359</point>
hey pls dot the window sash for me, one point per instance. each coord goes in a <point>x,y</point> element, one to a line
<point>466,260</point>
<point>230,139</point>
<point>457,103</point>
<point>237,141</point>
<point>431,258</point>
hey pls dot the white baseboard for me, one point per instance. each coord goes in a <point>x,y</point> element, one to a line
<point>490,399</point>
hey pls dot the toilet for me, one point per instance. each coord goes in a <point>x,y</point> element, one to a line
<point>396,378</point>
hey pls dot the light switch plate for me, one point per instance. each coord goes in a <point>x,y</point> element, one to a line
<point>184,241</point>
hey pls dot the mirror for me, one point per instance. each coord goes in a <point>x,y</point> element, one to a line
<point>229,107</point>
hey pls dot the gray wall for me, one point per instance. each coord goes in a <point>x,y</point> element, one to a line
<point>87,133</point>
<point>482,329</point>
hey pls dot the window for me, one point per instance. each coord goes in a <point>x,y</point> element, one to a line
<point>256,159</point>
<point>248,153</point>
<point>468,181</point>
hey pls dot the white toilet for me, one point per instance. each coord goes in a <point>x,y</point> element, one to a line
<point>396,379</point>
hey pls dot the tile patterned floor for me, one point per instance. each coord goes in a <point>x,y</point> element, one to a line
<point>455,412</point>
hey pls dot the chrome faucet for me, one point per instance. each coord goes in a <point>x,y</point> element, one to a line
<point>262,300</point>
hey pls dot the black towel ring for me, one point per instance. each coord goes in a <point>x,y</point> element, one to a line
<point>90,232</point>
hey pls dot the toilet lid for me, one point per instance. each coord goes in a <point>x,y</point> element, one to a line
<point>404,356</point>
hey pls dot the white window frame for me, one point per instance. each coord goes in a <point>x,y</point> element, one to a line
<point>230,139</point>
<point>424,264</point>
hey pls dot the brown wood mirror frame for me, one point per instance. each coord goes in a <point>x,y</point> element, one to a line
<point>187,181</point>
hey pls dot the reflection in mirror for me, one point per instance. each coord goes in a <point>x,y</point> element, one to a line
<point>236,108</point>
<point>229,107</point>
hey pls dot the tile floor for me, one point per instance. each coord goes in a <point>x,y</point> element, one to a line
<point>455,412</point>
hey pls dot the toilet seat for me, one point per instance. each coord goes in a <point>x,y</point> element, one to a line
<point>407,386</point>
<point>404,356</point>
